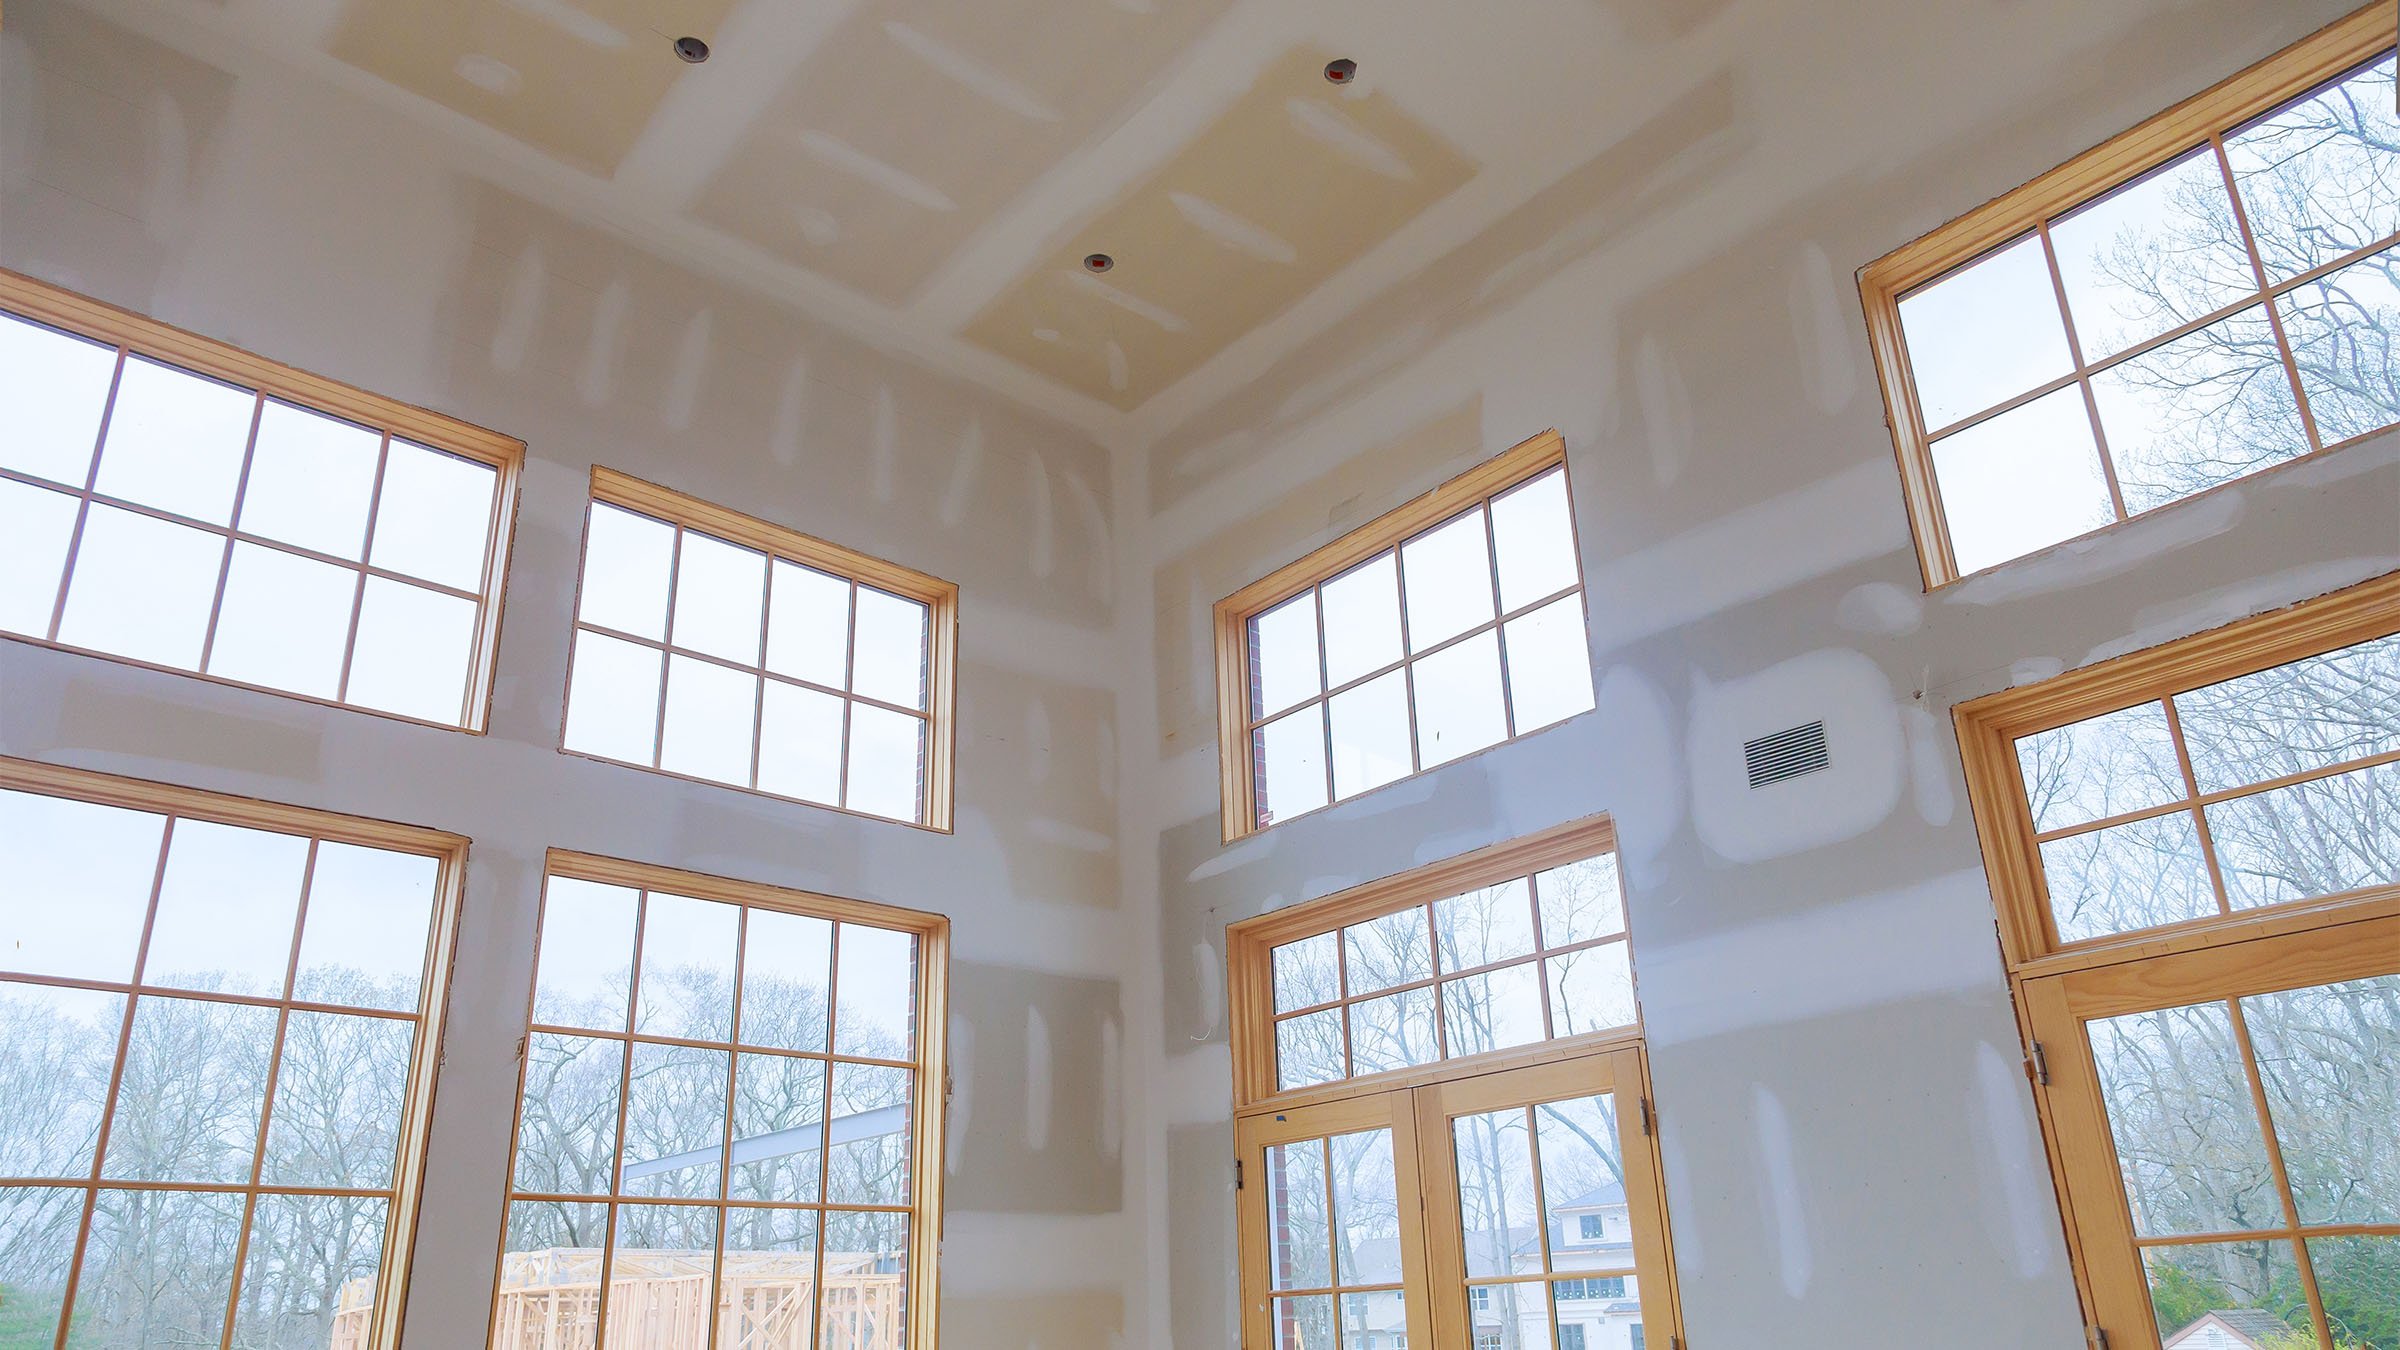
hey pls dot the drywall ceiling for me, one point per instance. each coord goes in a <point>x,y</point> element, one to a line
<point>930,173</point>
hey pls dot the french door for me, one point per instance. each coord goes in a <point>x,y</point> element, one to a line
<point>1514,1210</point>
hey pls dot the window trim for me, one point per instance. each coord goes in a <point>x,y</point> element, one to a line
<point>431,1015</point>
<point>2114,163</point>
<point>616,488</point>
<point>141,335</point>
<point>1236,778</point>
<point>927,1147</point>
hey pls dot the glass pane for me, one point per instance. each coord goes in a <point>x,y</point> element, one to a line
<point>2152,256</point>
<point>674,1121</point>
<point>1583,1177</point>
<point>1305,974</point>
<point>2338,327</point>
<point>2252,1289</point>
<point>1362,619</point>
<point>35,525</point>
<point>808,624</point>
<point>889,660</point>
<point>770,1260</point>
<point>1446,574</point>
<point>612,699</point>
<point>1458,700</point>
<point>1299,1234</point>
<point>2127,876</point>
<point>195,1081</point>
<point>2186,1129</point>
<point>226,906</point>
<point>2199,411</point>
<point>585,974</point>
<point>1370,735</point>
<point>1387,951</point>
<point>363,940</point>
<point>1304,1323</point>
<point>1482,926</point>
<point>37,1246</point>
<point>626,558</point>
<point>2102,766</point>
<point>1366,1205</point>
<point>2309,714</point>
<point>2317,838</point>
<point>869,1129</point>
<point>285,621</point>
<point>1492,1011</point>
<point>175,441</point>
<point>127,1296</point>
<point>720,599</point>
<point>1308,1049</point>
<point>686,986</point>
<point>1283,655</point>
<point>1291,765</point>
<point>866,1280</point>
<point>1591,990</point>
<point>141,588</point>
<point>1549,665</point>
<point>877,980</point>
<point>1984,333</point>
<point>338,1098</point>
<point>550,1275</point>
<point>1497,1209</point>
<point>2320,178</point>
<point>2021,481</point>
<point>433,516</point>
<point>57,1048</point>
<point>785,963</point>
<point>1580,901</point>
<point>1392,1032</point>
<point>567,1118</point>
<point>1597,1313</point>
<point>311,479</point>
<point>887,762</point>
<point>411,656</point>
<point>2359,1280</point>
<point>778,1118</point>
<point>800,744</point>
<point>662,1277</point>
<point>1534,535</point>
<point>309,1278</point>
<point>712,716</point>
<point>2329,1058</point>
<point>54,387</point>
<point>1376,1319</point>
<point>79,887</point>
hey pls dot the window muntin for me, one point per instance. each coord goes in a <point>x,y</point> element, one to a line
<point>1452,625</point>
<point>219,1021</point>
<point>178,503</point>
<point>713,646</point>
<point>2180,308</point>
<point>706,1024</point>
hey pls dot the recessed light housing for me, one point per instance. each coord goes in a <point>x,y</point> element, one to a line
<point>1098,262</point>
<point>1342,71</point>
<point>691,49</point>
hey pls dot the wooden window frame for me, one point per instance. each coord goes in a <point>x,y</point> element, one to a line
<point>415,1124</point>
<point>137,335</point>
<point>931,1088</point>
<point>937,802</point>
<point>2055,986</point>
<point>2203,120</point>
<point>1477,486</point>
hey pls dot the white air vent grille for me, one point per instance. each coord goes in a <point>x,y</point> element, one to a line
<point>1786,754</point>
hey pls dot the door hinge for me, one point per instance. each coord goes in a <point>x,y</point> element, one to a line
<point>1237,1174</point>
<point>2097,1337</point>
<point>1648,1125</point>
<point>2041,1065</point>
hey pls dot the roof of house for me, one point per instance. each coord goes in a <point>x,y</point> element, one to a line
<point>2252,1325</point>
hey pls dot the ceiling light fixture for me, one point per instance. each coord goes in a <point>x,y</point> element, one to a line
<point>1098,262</point>
<point>691,49</point>
<point>1342,71</point>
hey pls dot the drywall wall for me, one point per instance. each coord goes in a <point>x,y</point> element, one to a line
<point>1852,1154</point>
<point>308,225</point>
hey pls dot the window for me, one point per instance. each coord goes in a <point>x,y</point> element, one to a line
<point>727,1089</point>
<point>1570,1337</point>
<point>1591,1227</point>
<point>182,504</point>
<point>219,1023</point>
<point>2192,302</point>
<point>2196,854</point>
<point>1447,626</point>
<point>1607,1286</point>
<point>717,647</point>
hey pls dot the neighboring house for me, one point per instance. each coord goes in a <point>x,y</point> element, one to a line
<point>2231,1329</point>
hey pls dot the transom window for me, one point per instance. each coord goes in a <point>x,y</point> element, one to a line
<point>2197,300</point>
<point>729,1120</point>
<point>718,647</point>
<point>1448,626</point>
<point>219,1022</point>
<point>180,503</point>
